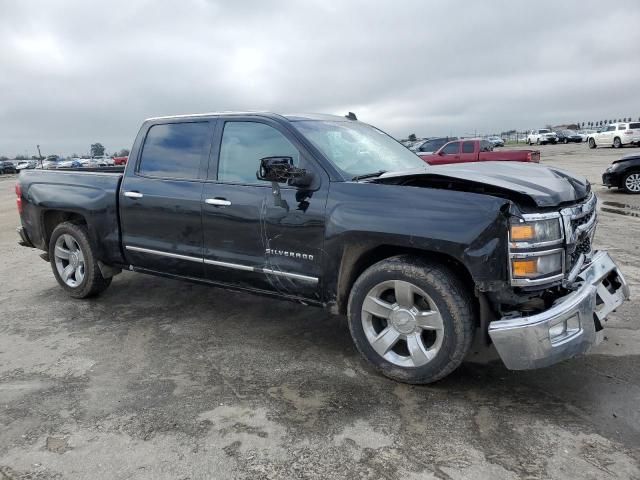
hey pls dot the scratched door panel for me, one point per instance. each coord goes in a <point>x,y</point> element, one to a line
<point>264,240</point>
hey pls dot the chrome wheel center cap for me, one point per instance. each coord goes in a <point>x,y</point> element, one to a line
<point>403,321</point>
<point>73,260</point>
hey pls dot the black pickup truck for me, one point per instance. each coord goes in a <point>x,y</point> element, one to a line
<point>333,212</point>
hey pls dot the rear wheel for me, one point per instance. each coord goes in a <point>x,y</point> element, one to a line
<point>631,183</point>
<point>566,140</point>
<point>617,143</point>
<point>411,320</point>
<point>592,143</point>
<point>74,263</point>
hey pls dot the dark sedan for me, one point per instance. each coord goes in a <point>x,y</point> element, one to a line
<point>7,167</point>
<point>624,174</point>
<point>568,136</point>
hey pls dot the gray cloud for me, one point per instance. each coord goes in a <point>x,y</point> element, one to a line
<point>72,73</point>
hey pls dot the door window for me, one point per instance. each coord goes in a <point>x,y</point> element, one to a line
<point>244,144</point>
<point>467,147</point>
<point>451,148</point>
<point>175,150</point>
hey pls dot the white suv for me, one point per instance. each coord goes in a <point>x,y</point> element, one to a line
<point>541,136</point>
<point>616,135</point>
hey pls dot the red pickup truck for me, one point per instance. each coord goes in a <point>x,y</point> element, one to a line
<point>463,151</point>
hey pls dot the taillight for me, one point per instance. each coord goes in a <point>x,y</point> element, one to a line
<point>19,197</point>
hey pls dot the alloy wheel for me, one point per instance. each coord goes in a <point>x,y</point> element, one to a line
<point>632,182</point>
<point>69,260</point>
<point>402,323</point>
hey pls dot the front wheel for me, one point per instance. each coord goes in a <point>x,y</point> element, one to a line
<point>592,143</point>
<point>566,141</point>
<point>74,263</point>
<point>411,320</point>
<point>617,143</point>
<point>631,183</point>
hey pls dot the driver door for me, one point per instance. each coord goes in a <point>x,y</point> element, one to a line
<point>450,153</point>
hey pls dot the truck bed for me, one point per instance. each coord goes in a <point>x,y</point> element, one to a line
<point>82,195</point>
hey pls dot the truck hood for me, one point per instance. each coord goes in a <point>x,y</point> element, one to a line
<point>544,186</point>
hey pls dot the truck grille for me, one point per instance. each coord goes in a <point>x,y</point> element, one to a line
<point>580,223</point>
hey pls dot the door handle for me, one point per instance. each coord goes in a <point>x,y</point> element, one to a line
<point>220,202</point>
<point>133,194</point>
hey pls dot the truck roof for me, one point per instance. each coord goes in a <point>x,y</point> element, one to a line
<point>292,117</point>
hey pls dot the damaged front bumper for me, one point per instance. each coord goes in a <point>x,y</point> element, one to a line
<point>570,327</point>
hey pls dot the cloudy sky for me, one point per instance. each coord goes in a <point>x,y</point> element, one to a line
<point>77,72</point>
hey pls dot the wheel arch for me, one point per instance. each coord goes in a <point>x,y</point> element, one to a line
<point>54,217</point>
<point>357,259</point>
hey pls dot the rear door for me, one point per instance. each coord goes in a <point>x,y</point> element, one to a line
<point>160,199</point>
<point>261,235</point>
<point>468,151</point>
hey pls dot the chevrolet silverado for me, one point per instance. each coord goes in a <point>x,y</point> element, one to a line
<point>330,211</point>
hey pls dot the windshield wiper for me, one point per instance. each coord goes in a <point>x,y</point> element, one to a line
<point>368,175</point>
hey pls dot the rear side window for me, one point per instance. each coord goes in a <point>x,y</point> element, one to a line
<point>175,150</point>
<point>467,147</point>
<point>634,126</point>
<point>244,144</point>
<point>451,148</point>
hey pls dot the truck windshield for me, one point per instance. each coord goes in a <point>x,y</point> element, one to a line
<point>358,149</point>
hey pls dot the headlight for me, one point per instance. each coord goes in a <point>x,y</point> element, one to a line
<point>543,264</point>
<point>539,231</point>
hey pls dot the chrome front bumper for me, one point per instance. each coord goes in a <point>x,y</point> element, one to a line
<point>568,328</point>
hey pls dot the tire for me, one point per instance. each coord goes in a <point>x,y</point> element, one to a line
<point>391,340</point>
<point>84,278</point>
<point>566,141</point>
<point>631,183</point>
<point>617,143</point>
<point>537,141</point>
<point>592,143</point>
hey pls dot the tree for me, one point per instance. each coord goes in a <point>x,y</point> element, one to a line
<point>97,150</point>
<point>20,157</point>
<point>412,137</point>
<point>125,152</point>
<point>2,158</point>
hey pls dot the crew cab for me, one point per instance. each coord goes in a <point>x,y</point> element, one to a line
<point>541,136</point>
<point>616,135</point>
<point>475,150</point>
<point>332,212</point>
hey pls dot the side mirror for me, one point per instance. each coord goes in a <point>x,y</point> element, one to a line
<point>282,170</point>
<point>441,152</point>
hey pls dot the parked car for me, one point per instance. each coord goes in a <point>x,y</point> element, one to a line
<point>332,212</point>
<point>584,134</point>
<point>476,150</point>
<point>93,163</point>
<point>69,163</point>
<point>568,136</point>
<point>120,160</point>
<point>541,136</point>
<point>616,135</point>
<point>496,141</point>
<point>7,166</point>
<point>49,164</point>
<point>432,144</point>
<point>26,164</point>
<point>624,174</point>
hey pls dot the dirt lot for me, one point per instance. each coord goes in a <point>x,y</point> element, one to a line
<point>163,379</point>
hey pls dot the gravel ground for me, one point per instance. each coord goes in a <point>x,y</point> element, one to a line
<point>164,379</point>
